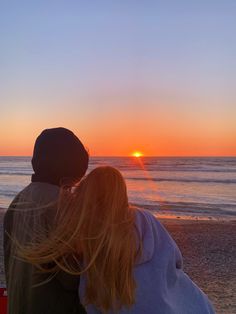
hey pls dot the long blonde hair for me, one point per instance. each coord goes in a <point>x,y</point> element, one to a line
<point>95,235</point>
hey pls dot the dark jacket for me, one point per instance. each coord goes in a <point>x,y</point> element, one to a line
<point>34,209</point>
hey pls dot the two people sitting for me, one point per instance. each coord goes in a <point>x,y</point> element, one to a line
<point>74,244</point>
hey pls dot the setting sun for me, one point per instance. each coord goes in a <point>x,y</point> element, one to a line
<point>137,154</point>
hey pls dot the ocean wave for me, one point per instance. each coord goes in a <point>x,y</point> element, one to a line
<point>192,208</point>
<point>223,165</point>
<point>8,193</point>
<point>15,173</point>
<point>185,180</point>
<point>126,168</point>
<point>168,168</point>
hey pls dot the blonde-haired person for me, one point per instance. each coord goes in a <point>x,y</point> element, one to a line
<point>127,260</point>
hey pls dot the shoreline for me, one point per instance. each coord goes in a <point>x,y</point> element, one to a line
<point>185,215</point>
<point>209,255</point>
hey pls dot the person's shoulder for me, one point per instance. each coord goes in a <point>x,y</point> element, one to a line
<point>16,199</point>
<point>147,223</point>
<point>40,193</point>
<point>13,205</point>
<point>41,187</point>
<point>144,217</point>
<point>147,215</point>
<point>33,196</point>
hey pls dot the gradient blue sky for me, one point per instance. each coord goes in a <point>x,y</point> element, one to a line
<point>155,76</point>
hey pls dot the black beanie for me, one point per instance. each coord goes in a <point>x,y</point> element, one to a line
<point>58,156</point>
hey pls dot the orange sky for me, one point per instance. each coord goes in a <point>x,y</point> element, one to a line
<point>152,78</point>
<point>114,136</point>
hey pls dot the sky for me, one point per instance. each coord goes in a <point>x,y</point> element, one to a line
<point>154,76</point>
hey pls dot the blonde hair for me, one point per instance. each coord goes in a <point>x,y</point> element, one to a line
<point>96,226</point>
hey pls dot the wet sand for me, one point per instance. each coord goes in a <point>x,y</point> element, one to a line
<point>209,252</point>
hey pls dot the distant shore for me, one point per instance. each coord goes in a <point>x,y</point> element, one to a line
<point>209,252</point>
<point>180,213</point>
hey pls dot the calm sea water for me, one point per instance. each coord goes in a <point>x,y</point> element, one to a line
<point>175,186</point>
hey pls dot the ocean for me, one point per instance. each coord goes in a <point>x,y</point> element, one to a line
<point>202,187</point>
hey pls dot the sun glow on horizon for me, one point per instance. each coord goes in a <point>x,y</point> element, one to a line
<point>137,154</point>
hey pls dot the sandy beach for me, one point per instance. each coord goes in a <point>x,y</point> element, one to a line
<point>209,252</point>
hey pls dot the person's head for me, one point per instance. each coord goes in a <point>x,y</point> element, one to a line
<point>59,157</point>
<point>96,224</point>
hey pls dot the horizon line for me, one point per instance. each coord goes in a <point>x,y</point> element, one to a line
<point>144,156</point>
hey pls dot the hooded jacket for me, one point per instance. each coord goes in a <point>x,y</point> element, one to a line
<point>29,291</point>
<point>162,285</point>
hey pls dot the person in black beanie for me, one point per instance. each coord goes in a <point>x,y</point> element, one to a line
<point>58,156</point>
<point>59,159</point>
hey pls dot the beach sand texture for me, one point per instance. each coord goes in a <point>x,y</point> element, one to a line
<point>209,252</point>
